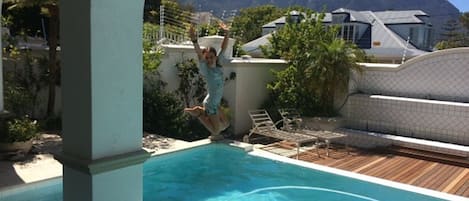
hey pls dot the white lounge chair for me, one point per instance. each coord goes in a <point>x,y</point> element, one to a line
<point>293,122</point>
<point>263,125</point>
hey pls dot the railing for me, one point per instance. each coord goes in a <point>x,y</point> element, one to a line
<point>166,37</point>
<point>175,22</point>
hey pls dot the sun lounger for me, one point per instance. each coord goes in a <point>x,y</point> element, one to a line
<point>263,125</point>
<point>293,122</point>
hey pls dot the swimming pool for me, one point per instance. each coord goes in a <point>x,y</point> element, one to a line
<point>219,172</point>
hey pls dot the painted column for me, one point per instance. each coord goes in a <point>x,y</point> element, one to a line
<point>101,47</point>
<point>2,106</point>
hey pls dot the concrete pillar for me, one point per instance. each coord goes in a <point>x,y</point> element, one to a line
<point>2,107</point>
<point>101,43</point>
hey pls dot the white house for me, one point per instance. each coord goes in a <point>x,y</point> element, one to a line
<point>389,36</point>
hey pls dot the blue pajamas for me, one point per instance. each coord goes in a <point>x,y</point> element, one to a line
<point>215,83</point>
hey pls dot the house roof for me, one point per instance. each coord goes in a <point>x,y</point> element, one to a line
<point>385,41</point>
<point>386,37</point>
<point>355,16</point>
<point>272,24</point>
<point>253,47</point>
<point>391,45</point>
<point>387,17</point>
<point>400,17</point>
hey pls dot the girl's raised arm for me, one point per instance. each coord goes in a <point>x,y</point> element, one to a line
<point>193,37</point>
<point>226,29</point>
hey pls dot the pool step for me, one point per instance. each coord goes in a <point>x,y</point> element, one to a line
<point>432,156</point>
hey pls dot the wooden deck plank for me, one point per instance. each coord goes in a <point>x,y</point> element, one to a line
<point>407,171</point>
<point>464,188</point>
<point>387,166</point>
<point>448,177</point>
<point>453,183</point>
<point>398,168</point>
<point>441,174</point>
<point>460,186</point>
<point>421,173</point>
<point>353,162</point>
<point>367,165</point>
<point>373,167</point>
<point>414,173</point>
<point>432,174</point>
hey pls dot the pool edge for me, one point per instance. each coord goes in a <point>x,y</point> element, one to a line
<point>406,187</point>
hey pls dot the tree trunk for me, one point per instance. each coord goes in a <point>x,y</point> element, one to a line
<point>53,70</point>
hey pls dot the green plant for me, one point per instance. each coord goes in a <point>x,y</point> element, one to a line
<point>50,9</point>
<point>191,86</point>
<point>21,129</point>
<point>452,36</point>
<point>319,65</point>
<point>52,124</point>
<point>24,81</point>
<point>192,92</point>
<point>163,112</point>
<point>208,29</point>
<point>151,53</point>
<point>246,24</point>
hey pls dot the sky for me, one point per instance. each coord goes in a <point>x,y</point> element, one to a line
<point>462,5</point>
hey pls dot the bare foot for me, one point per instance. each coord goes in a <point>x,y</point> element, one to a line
<point>193,112</point>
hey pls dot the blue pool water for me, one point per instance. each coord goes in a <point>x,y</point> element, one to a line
<point>219,172</point>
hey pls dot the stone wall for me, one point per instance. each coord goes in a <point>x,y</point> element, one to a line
<point>441,75</point>
<point>425,98</point>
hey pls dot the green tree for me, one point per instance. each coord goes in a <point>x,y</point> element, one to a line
<point>50,9</point>
<point>208,29</point>
<point>464,18</point>
<point>248,24</point>
<point>453,36</point>
<point>151,53</point>
<point>150,11</point>
<point>319,64</point>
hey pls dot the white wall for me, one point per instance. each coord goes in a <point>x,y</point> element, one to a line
<point>174,54</point>
<point>247,91</point>
<point>250,90</point>
<point>427,97</point>
<point>439,75</point>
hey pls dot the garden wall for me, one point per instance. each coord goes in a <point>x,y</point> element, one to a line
<point>426,98</point>
<point>247,91</point>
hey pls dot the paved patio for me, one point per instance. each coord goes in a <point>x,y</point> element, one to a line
<point>25,170</point>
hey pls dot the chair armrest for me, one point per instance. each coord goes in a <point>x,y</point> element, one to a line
<point>276,123</point>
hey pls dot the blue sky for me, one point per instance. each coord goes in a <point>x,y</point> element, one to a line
<point>462,5</point>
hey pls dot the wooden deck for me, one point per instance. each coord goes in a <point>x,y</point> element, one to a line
<point>397,165</point>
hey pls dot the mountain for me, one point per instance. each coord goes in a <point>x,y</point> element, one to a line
<point>440,11</point>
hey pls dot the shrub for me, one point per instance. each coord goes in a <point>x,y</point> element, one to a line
<point>163,114</point>
<point>192,85</point>
<point>21,129</point>
<point>319,64</point>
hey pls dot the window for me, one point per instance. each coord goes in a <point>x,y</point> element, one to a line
<point>339,18</point>
<point>421,36</point>
<point>349,33</point>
